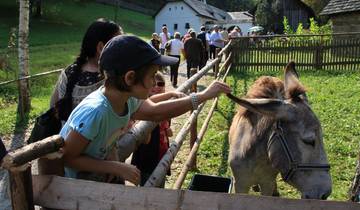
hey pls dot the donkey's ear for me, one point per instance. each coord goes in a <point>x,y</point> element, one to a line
<point>270,107</point>
<point>293,87</point>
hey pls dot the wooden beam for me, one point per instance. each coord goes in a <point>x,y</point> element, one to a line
<point>159,173</point>
<point>21,189</point>
<point>32,151</point>
<point>64,193</point>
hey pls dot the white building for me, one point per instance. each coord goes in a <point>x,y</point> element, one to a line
<point>182,15</point>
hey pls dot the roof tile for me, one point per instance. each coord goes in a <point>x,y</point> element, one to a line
<point>341,6</point>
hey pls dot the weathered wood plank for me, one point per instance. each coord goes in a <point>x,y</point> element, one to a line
<point>21,189</point>
<point>64,193</point>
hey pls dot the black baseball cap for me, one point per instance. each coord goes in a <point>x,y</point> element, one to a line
<point>124,52</point>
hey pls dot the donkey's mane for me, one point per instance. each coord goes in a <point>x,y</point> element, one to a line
<point>264,87</point>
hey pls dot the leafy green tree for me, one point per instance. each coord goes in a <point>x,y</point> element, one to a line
<point>264,15</point>
<point>317,5</point>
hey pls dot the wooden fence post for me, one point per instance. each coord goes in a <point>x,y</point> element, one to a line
<point>21,188</point>
<point>216,66</point>
<point>193,128</point>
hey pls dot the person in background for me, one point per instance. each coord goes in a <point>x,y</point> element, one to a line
<point>225,35</point>
<point>187,35</point>
<point>83,76</point>
<point>90,133</point>
<point>216,41</point>
<point>79,80</point>
<point>164,38</point>
<point>155,41</point>
<point>236,32</point>
<point>148,155</point>
<point>205,41</point>
<point>176,49</point>
<point>194,50</point>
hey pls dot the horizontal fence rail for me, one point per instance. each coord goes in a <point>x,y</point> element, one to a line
<point>64,193</point>
<point>31,76</point>
<point>327,52</point>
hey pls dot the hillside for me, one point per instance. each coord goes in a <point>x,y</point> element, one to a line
<point>54,43</point>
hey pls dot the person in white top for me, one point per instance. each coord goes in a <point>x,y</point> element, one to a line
<point>164,37</point>
<point>176,48</point>
<point>216,41</point>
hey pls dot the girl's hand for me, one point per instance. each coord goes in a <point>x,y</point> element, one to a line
<point>214,90</point>
<point>177,94</point>
<point>129,172</point>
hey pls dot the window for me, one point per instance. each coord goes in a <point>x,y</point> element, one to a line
<point>187,25</point>
<point>182,8</point>
<point>175,26</point>
<point>175,7</point>
<point>169,8</point>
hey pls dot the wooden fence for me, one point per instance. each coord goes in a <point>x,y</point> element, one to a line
<point>327,52</point>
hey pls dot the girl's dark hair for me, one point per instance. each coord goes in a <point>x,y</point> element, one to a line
<point>100,30</point>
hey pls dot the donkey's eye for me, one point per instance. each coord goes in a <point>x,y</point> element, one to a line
<point>309,141</point>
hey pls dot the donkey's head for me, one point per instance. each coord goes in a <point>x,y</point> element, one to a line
<point>295,147</point>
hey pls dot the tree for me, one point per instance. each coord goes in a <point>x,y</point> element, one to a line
<point>264,15</point>
<point>23,85</point>
<point>35,5</point>
<point>317,5</point>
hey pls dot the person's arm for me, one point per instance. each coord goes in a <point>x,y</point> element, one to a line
<point>75,144</point>
<point>151,111</point>
<point>165,96</point>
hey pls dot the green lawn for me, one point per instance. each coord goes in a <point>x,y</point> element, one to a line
<point>54,42</point>
<point>335,98</point>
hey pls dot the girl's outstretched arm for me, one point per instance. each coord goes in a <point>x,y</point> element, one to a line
<point>168,109</point>
<point>166,96</point>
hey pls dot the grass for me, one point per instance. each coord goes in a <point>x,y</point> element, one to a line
<point>54,42</point>
<point>335,99</point>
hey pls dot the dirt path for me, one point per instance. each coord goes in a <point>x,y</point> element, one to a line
<point>178,122</point>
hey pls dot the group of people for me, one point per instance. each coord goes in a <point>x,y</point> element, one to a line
<point>113,83</point>
<point>195,47</point>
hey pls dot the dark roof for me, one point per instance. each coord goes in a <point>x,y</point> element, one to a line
<point>341,6</point>
<point>203,9</point>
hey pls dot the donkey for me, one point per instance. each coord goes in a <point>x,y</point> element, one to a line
<point>275,131</point>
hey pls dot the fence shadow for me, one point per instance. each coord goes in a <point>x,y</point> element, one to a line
<point>20,131</point>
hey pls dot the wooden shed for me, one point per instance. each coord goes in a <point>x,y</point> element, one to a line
<point>295,11</point>
<point>344,14</point>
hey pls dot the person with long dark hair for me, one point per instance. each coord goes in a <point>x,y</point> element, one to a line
<point>79,79</point>
<point>83,76</point>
